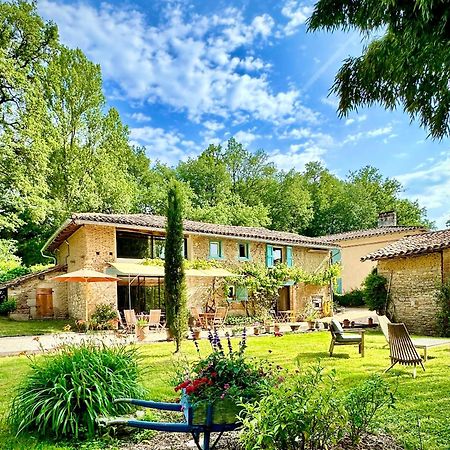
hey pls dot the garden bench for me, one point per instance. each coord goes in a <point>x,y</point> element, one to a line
<point>207,427</point>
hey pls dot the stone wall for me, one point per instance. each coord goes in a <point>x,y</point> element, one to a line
<point>90,247</point>
<point>413,282</point>
<point>25,296</point>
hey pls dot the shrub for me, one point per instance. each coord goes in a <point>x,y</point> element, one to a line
<point>7,306</point>
<point>375,292</point>
<point>104,317</point>
<point>242,320</point>
<point>363,402</point>
<point>352,298</point>
<point>65,392</point>
<point>443,315</point>
<point>303,412</point>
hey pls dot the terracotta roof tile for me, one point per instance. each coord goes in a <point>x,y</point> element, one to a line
<point>153,222</point>
<point>417,244</point>
<point>367,233</point>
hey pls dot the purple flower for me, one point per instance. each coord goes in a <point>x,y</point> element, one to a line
<point>226,386</point>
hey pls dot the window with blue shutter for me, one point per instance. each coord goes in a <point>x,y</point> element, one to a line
<point>269,256</point>
<point>241,294</point>
<point>215,250</point>
<point>289,261</point>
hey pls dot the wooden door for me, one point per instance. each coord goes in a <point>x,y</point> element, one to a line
<point>284,303</point>
<point>44,302</point>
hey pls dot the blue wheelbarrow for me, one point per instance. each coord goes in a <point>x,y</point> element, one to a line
<point>190,425</point>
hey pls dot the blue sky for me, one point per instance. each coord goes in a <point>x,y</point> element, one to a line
<point>185,74</point>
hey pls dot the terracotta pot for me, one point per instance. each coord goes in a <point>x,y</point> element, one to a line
<point>276,328</point>
<point>294,327</point>
<point>346,323</point>
<point>267,328</point>
<point>196,335</point>
<point>370,321</point>
<point>170,336</point>
<point>256,331</point>
<point>310,324</point>
<point>141,332</point>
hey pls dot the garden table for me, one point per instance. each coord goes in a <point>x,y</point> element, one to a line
<point>286,316</point>
<point>208,318</point>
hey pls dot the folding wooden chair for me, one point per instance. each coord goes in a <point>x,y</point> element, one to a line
<point>154,319</point>
<point>130,319</point>
<point>198,321</point>
<point>220,316</point>
<point>402,348</point>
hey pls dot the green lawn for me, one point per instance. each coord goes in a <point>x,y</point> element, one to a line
<point>425,399</point>
<point>10,327</point>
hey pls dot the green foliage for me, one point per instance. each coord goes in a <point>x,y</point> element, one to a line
<point>224,375</point>
<point>375,292</point>
<point>66,392</point>
<point>352,298</point>
<point>7,306</point>
<point>303,412</point>
<point>174,278</point>
<point>406,63</point>
<point>243,320</point>
<point>364,402</point>
<point>443,303</point>
<point>104,317</point>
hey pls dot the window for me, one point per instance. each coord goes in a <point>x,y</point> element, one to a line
<point>243,251</point>
<point>142,246</point>
<point>277,255</point>
<point>159,247</point>
<point>133,245</point>
<point>215,249</point>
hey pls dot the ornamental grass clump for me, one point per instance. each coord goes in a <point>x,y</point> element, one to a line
<point>66,391</point>
<point>225,378</point>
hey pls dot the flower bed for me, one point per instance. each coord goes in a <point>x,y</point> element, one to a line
<point>222,382</point>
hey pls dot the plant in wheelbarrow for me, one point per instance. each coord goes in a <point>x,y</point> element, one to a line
<point>221,382</point>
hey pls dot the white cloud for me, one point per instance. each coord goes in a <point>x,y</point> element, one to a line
<point>296,159</point>
<point>357,119</point>
<point>162,145</point>
<point>187,63</point>
<point>349,122</point>
<point>429,183</point>
<point>330,101</point>
<point>369,134</point>
<point>140,117</point>
<point>246,137</point>
<point>213,126</point>
<point>297,13</point>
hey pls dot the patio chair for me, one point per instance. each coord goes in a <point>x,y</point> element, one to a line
<point>402,348</point>
<point>219,317</point>
<point>339,337</point>
<point>198,321</point>
<point>154,319</point>
<point>121,325</point>
<point>420,343</point>
<point>130,319</point>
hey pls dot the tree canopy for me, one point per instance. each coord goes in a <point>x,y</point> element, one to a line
<point>407,63</point>
<point>64,151</point>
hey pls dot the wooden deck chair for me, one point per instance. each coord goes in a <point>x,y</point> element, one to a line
<point>130,318</point>
<point>339,337</point>
<point>122,327</point>
<point>402,348</point>
<point>220,316</point>
<point>419,343</point>
<point>154,320</point>
<point>198,321</point>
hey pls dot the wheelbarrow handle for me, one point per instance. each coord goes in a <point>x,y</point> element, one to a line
<point>148,404</point>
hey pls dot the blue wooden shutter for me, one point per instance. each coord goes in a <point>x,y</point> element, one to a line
<point>269,256</point>
<point>289,261</point>
<point>241,294</point>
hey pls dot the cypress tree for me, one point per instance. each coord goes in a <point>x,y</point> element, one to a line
<point>174,278</point>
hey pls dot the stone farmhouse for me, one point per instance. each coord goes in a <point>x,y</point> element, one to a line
<point>124,245</point>
<point>354,245</point>
<point>414,267</point>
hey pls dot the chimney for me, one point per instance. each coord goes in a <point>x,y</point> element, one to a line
<point>387,219</point>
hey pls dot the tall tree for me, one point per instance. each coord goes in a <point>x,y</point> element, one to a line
<point>174,278</point>
<point>27,44</point>
<point>407,64</point>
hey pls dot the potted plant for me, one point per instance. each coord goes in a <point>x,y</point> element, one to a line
<point>196,331</point>
<point>276,328</point>
<point>311,319</point>
<point>294,326</point>
<point>142,329</point>
<point>215,382</point>
<point>256,329</point>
